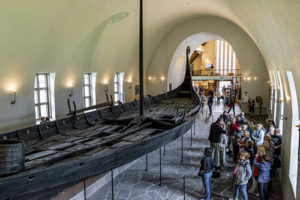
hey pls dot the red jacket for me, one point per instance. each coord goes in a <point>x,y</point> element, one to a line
<point>233,128</point>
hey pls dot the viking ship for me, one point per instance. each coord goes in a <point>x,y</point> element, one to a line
<point>85,144</point>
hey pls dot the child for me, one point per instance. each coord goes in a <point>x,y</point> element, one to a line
<point>264,168</point>
<point>242,175</point>
<point>250,150</point>
<point>207,164</point>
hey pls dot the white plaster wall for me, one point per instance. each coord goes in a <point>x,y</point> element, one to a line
<point>67,38</point>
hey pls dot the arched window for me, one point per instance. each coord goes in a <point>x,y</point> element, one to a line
<point>294,146</point>
<point>275,96</point>
<point>281,100</point>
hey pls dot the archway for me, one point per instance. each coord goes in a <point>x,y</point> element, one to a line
<point>167,59</point>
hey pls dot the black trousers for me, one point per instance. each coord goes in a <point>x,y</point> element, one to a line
<point>233,108</point>
<point>210,108</point>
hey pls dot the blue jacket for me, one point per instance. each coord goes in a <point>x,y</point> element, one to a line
<point>207,164</point>
<point>263,172</point>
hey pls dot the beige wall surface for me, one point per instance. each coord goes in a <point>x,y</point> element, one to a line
<point>68,38</point>
<point>73,36</point>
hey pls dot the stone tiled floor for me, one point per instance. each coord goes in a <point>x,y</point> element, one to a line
<point>137,184</point>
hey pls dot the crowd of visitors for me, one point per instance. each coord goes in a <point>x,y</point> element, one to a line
<point>254,148</point>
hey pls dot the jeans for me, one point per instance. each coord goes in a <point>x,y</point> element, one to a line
<point>243,190</point>
<point>223,157</point>
<point>207,184</point>
<point>215,153</point>
<point>263,191</point>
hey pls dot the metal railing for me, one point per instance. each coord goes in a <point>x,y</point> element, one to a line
<point>214,72</point>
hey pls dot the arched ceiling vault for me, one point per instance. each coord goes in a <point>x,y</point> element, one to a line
<point>272,24</point>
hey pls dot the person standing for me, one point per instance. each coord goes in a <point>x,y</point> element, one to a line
<point>207,164</point>
<point>264,168</point>
<point>235,143</point>
<point>251,106</point>
<point>232,105</point>
<point>233,127</point>
<point>222,148</point>
<point>210,103</point>
<point>216,129</point>
<point>242,174</point>
<point>258,136</point>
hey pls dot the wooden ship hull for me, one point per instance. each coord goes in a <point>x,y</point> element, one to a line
<point>81,146</point>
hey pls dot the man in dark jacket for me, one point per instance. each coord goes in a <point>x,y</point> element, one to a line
<point>216,129</point>
<point>225,117</point>
<point>207,164</point>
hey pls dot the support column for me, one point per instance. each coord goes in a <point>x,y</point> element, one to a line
<point>141,60</point>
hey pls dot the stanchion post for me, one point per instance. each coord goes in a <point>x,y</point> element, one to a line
<point>195,127</point>
<point>182,149</point>
<point>191,136</point>
<point>84,189</point>
<point>146,163</point>
<point>159,166</point>
<point>112,184</point>
<point>184,187</point>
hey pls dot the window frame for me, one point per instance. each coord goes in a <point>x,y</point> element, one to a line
<point>89,85</point>
<point>38,90</point>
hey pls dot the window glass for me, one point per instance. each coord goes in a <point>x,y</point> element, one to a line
<point>87,102</point>
<point>43,96</point>
<point>44,110</point>
<point>42,81</point>
<point>36,97</point>
<point>86,79</point>
<point>87,91</point>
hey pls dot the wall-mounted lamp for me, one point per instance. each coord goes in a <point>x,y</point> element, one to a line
<point>162,78</point>
<point>129,80</point>
<point>149,78</point>
<point>105,82</point>
<point>12,94</point>
<point>70,87</point>
<point>282,117</point>
<point>249,78</point>
<point>255,78</point>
